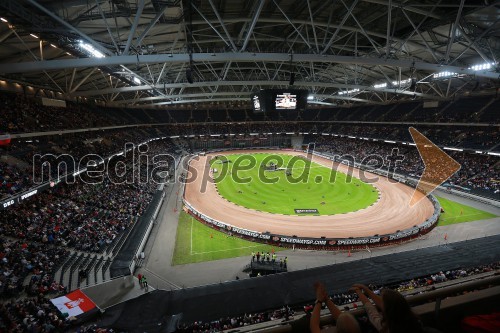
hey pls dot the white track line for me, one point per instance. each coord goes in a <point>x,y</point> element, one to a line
<point>191,248</point>
<point>456,217</point>
<point>236,248</point>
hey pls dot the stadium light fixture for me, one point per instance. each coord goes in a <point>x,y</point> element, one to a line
<point>380,85</point>
<point>443,74</point>
<point>345,92</point>
<point>3,20</point>
<point>91,50</point>
<point>136,80</point>
<point>34,36</point>
<point>400,83</point>
<point>53,46</point>
<point>310,97</point>
<point>480,67</point>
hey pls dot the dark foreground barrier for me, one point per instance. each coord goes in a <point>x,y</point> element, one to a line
<point>124,262</point>
<point>155,311</point>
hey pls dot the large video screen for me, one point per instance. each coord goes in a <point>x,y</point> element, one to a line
<point>285,101</point>
<point>281,100</point>
<point>256,103</point>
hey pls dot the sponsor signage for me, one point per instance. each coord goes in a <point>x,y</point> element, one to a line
<point>306,211</point>
<point>21,197</point>
<point>358,241</point>
<point>403,234</point>
<point>304,241</point>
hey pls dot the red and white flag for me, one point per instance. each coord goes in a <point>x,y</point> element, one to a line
<point>4,139</point>
<point>74,303</point>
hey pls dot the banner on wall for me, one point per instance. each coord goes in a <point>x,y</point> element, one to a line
<point>4,139</point>
<point>74,304</point>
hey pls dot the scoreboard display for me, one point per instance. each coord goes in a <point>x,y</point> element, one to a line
<point>270,100</point>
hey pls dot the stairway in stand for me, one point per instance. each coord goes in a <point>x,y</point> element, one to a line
<point>83,269</point>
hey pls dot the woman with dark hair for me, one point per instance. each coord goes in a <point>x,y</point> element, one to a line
<point>391,312</point>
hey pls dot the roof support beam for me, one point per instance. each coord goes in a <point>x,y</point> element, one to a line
<point>6,35</point>
<point>362,29</point>
<point>107,26</point>
<point>210,24</point>
<point>71,80</point>
<point>475,41</point>
<point>252,25</point>
<point>70,27</point>
<point>416,29</point>
<point>134,26</point>
<point>313,27</point>
<point>245,98</point>
<point>388,39</point>
<point>161,73</point>
<point>293,25</point>
<point>82,81</point>
<point>346,16</point>
<point>473,45</point>
<point>151,24</point>
<point>34,57</point>
<point>233,46</point>
<point>36,66</point>
<point>401,4</point>
<point>454,28</point>
<point>244,83</point>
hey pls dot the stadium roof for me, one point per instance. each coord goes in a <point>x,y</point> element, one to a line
<point>146,53</point>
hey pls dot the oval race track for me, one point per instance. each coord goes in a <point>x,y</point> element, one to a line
<point>389,214</point>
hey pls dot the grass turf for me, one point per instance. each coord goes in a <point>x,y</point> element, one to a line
<point>195,242</point>
<point>309,186</point>
<point>455,212</point>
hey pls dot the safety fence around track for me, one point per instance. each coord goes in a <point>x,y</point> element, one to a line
<point>323,243</point>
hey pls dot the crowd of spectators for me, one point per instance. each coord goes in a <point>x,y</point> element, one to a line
<point>20,259</point>
<point>81,215</point>
<point>72,147</point>
<point>94,329</point>
<point>284,313</point>
<point>13,180</point>
<point>38,234</point>
<point>477,171</point>
<point>26,114</point>
<point>347,300</point>
<point>22,114</point>
<point>64,222</point>
<point>483,138</point>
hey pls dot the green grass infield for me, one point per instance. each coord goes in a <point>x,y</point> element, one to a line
<point>196,242</point>
<point>455,212</point>
<point>297,183</point>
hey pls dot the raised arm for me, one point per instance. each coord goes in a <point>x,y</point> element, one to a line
<point>322,297</point>
<point>372,312</point>
<point>368,292</point>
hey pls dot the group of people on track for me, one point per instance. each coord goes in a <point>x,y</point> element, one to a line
<point>270,258</point>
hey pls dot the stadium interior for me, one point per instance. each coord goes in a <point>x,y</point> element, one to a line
<point>106,103</point>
